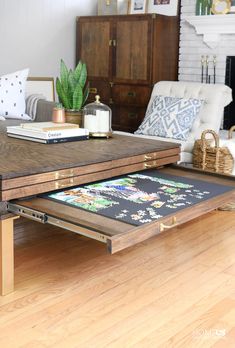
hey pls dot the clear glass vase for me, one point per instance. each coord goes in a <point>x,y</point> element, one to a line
<point>203,7</point>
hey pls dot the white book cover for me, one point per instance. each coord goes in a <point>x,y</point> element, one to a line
<point>49,141</point>
<point>63,133</point>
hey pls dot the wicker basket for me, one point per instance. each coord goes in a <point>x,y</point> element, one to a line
<point>230,132</point>
<point>213,158</point>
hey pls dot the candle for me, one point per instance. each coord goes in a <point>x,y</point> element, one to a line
<point>91,123</point>
<point>103,121</point>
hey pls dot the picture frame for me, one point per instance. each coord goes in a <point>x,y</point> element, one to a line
<point>164,7</point>
<point>232,8</point>
<point>123,7</point>
<point>107,7</point>
<point>41,85</point>
<point>138,6</point>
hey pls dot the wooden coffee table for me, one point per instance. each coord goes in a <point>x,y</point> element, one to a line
<point>29,169</point>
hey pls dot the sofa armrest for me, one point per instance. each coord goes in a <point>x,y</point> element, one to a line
<point>44,111</point>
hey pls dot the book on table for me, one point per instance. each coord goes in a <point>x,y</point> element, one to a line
<point>48,126</point>
<point>50,141</point>
<point>47,131</point>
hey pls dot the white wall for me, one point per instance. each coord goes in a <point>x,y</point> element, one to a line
<point>192,47</point>
<point>37,33</point>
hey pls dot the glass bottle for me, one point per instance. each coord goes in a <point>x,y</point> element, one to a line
<point>208,7</point>
<point>200,7</point>
<point>203,7</point>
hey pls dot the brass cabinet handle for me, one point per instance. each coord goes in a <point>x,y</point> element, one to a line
<point>68,174</point>
<point>148,158</point>
<point>131,94</point>
<point>132,115</point>
<point>112,43</point>
<point>93,90</point>
<point>153,165</point>
<point>164,227</point>
<point>59,185</point>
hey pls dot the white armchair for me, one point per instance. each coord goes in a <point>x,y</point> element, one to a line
<point>215,97</point>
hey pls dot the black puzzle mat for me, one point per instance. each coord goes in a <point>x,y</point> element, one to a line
<point>140,197</point>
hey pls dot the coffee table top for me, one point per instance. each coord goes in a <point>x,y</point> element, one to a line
<point>22,158</point>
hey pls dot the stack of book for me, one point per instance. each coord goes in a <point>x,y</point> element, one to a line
<point>48,132</point>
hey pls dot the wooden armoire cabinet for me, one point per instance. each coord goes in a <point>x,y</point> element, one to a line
<point>125,56</point>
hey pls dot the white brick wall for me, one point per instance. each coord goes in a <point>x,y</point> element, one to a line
<point>192,47</point>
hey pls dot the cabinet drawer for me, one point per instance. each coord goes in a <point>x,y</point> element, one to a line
<point>126,210</point>
<point>102,88</point>
<point>127,119</point>
<point>131,95</point>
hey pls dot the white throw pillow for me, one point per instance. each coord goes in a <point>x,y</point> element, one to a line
<point>12,95</point>
<point>170,117</point>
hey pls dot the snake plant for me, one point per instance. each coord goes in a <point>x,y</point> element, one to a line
<point>72,87</point>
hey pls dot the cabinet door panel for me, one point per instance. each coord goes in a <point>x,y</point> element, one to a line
<point>132,58</point>
<point>94,47</point>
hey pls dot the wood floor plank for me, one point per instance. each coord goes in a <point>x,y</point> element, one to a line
<point>186,311</point>
<point>71,293</point>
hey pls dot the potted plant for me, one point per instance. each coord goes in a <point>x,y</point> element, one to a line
<point>72,89</point>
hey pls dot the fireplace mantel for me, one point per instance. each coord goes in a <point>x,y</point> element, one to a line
<point>212,27</point>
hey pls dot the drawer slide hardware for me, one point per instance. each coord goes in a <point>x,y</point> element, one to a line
<point>77,229</point>
<point>47,219</point>
<point>164,227</point>
<point>27,212</point>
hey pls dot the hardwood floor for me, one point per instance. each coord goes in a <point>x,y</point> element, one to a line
<point>176,290</point>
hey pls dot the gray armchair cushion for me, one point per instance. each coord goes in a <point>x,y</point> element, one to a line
<point>44,111</point>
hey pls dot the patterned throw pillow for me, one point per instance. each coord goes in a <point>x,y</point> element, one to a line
<point>170,117</point>
<point>12,95</point>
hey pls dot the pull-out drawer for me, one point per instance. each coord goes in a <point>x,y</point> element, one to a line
<point>131,95</point>
<point>129,209</point>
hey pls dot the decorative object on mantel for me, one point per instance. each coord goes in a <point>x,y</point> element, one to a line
<point>212,27</point>
<point>98,119</point>
<point>73,90</point>
<point>220,6</point>
<point>138,6</point>
<point>164,7</point>
<point>107,7</point>
<point>212,157</point>
<point>203,7</point>
<point>232,8</point>
<point>122,7</point>
<point>205,65</point>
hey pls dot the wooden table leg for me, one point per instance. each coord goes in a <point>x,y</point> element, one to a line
<point>7,256</point>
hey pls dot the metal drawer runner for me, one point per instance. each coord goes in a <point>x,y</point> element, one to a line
<point>47,219</point>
